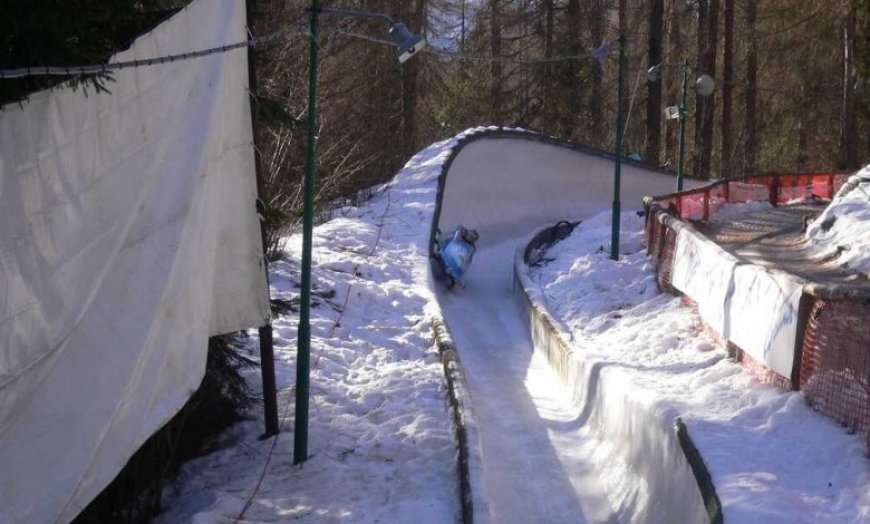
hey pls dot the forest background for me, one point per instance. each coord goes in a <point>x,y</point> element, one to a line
<point>792,94</point>
<point>792,80</point>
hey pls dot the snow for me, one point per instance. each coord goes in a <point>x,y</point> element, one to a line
<point>529,428</point>
<point>843,225</point>
<point>772,458</point>
<point>381,443</point>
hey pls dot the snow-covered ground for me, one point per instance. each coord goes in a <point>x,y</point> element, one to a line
<point>381,443</point>
<point>843,225</point>
<point>772,458</point>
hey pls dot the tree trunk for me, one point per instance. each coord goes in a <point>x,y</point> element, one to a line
<point>596,28</point>
<point>676,53</point>
<point>462,35</point>
<point>725,169</point>
<point>849,137</point>
<point>708,109</point>
<point>573,81</point>
<point>623,31</point>
<point>413,13</point>
<point>802,129</point>
<point>654,88</point>
<point>496,92</point>
<point>548,30</point>
<point>750,130</point>
<point>623,18</point>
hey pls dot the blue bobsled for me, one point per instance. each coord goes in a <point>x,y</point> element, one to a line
<point>454,254</point>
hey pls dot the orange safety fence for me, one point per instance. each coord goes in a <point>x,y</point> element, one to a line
<point>833,364</point>
<point>699,204</point>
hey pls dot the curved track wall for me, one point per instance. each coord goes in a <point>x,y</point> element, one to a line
<point>505,183</point>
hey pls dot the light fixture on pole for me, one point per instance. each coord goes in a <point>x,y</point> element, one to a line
<point>704,86</point>
<point>408,46</point>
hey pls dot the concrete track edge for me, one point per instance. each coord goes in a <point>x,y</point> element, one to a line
<point>469,461</point>
<point>469,454</point>
<point>552,338</point>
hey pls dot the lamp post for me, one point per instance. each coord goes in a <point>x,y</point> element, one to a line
<point>408,45</point>
<point>617,204</point>
<point>704,86</point>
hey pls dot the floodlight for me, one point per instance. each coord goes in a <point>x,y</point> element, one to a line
<point>705,85</point>
<point>408,43</point>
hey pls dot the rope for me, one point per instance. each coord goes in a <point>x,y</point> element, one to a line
<point>598,54</point>
<point>250,500</point>
<point>633,93</point>
<point>95,69</point>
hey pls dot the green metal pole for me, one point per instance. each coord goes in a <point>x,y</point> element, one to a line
<point>303,354</point>
<point>683,126</point>
<point>617,205</point>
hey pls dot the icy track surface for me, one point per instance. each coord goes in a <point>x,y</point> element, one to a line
<point>540,464</point>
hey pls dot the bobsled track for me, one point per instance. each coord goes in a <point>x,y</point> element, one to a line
<point>540,453</point>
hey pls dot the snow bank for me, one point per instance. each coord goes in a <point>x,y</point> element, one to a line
<point>843,225</point>
<point>772,458</point>
<point>659,485</point>
<point>382,447</point>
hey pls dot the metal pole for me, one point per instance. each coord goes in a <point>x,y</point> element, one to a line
<point>462,38</point>
<point>617,205</point>
<point>683,125</point>
<point>267,352</point>
<point>300,431</point>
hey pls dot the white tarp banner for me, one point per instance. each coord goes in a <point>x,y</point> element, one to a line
<point>128,235</point>
<point>754,308</point>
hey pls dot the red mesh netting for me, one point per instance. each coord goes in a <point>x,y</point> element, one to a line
<point>654,232</point>
<point>835,365</point>
<point>760,372</point>
<point>756,369</point>
<point>691,206</point>
<point>699,204</point>
<point>661,241</point>
<point>754,189</point>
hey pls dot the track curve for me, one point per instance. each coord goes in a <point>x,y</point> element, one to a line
<point>539,460</point>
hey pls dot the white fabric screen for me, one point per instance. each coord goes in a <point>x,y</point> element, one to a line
<point>755,308</point>
<point>128,235</point>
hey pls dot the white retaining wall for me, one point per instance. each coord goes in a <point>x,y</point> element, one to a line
<point>640,432</point>
<point>755,308</point>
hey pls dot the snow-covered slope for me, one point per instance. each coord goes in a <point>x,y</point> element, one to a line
<point>381,445</point>
<point>843,225</point>
<point>381,448</point>
<point>772,458</point>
